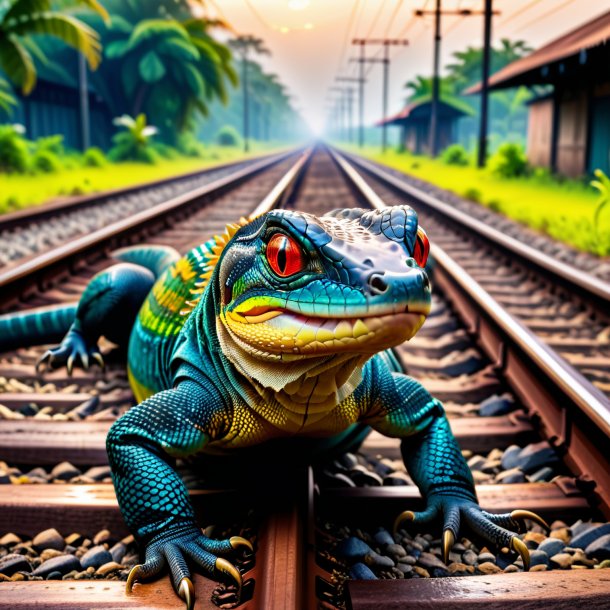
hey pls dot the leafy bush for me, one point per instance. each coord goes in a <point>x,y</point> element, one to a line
<point>46,162</point>
<point>94,157</point>
<point>228,136</point>
<point>473,194</point>
<point>455,154</point>
<point>190,146</point>
<point>54,144</point>
<point>166,151</point>
<point>13,149</point>
<point>134,143</point>
<point>509,161</point>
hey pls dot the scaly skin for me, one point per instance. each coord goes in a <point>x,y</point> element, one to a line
<point>273,332</point>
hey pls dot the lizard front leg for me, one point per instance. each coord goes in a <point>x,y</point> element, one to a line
<point>152,497</point>
<point>436,465</point>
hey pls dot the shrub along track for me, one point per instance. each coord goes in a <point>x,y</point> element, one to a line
<point>292,566</point>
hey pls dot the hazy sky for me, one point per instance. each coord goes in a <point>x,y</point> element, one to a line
<point>309,39</point>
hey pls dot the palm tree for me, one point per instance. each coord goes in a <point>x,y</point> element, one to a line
<point>7,100</point>
<point>167,70</point>
<point>243,44</point>
<point>22,19</point>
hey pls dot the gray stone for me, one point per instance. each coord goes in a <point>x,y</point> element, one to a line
<point>552,546</point>
<point>353,548</point>
<point>62,564</point>
<point>362,476</point>
<point>95,557</point>
<point>98,473</point>
<point>535,456</point>
<point>397,479</point>
<point>65,471</point>
<point>359,571</point>
<point>483,557</point>
<point>496,405</point>
<point>9,539</point>
<point>9,564</point>
<point>545,474</point>
<point>469,557</point>
<point>118,552</point>
<point>49,539</point>
<point>582,541</point>
<point>425,544</point>
<point>383,538</point>
<point>582,526</point>
<point>476,462</point>
<point>56,575</point>
<point>600,548</point>
<point>538,557</point>
<point>376,560</point>
<point>396,551</point>
<point>405,568</point>
<point>431,562</point>
<point>510,457</point>
<point>348,460</point>
<point>5,477</point>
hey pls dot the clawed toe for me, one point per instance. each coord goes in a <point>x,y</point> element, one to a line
<point>517,545</point>
<point>227,568</point>
<point>186,591</point>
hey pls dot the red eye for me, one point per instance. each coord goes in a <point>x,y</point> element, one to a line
<point>284,255</point>
<point>422,247</point>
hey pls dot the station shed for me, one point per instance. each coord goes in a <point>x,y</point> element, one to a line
<point>569,119</point>
<point>414,121</point>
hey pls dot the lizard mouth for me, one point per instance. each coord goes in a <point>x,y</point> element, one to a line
<point>277,330</point>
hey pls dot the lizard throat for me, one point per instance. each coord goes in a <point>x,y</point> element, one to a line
<point>307,387</point>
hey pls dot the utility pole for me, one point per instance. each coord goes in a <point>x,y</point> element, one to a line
<point>435,82</point>
<point>244,62</point>
<point>385,60</point>
<point>362,44</point>
<point>83,98</point>
<point>482,157</point>
<point>350,79</point>
<point>345,103</point>
<point>438,12</point>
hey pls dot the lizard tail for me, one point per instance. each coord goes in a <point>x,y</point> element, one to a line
<point>154,258</point>
<point>36,326</point>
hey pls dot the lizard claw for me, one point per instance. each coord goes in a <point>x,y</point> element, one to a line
<point>99,359</point>
<point>222,565</point>
<point>448,542</point>
<point>70,364</point>
<point>134,575</point>
<point>520,515</point>
<point>407,515</point>
<point>238,541</point>
<point>186,591</point>
<point>516,544</point>
<point>45,361</point>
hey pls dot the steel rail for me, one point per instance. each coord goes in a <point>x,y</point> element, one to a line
<point>581,282</point>
<point>575,414</point>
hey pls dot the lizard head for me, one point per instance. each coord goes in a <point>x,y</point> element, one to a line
<point>293,286</point>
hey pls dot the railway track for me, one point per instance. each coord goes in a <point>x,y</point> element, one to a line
<point>300,527</point>
<point>28,232</point>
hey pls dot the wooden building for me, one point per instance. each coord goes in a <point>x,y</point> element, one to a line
<point>568,127</point>
<point>414,121</point>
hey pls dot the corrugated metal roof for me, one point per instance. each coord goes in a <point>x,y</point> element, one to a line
<point>445,108</point>
<point>591,34</point>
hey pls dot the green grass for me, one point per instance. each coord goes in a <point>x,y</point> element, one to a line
<point>18,191</point>
<point>563,209</point>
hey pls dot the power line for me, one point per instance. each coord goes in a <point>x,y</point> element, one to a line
<point>392,17</point>
<point>541,17</point>
<point>348,31</point>
<point>258,16</point>
<point>519,12</point>
<point>376,19</point>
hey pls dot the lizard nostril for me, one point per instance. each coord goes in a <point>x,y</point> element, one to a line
<point>377,284</point>
<point>426,282</point>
